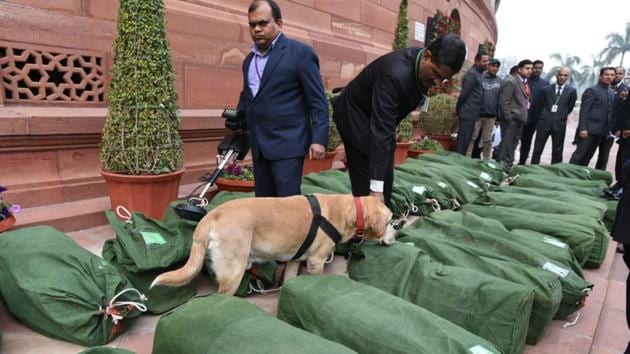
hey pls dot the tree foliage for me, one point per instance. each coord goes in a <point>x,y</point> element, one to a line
<point>618,45</point>
<point>401,37</point>
<point>569,61</point>
<point>140,135</point>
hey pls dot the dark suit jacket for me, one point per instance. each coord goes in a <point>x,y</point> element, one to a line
<point>620,107</point>
<point>536,86</point>
<point>512,100</point>
<point>290,111</point>
<point>556,122</point>
<point>470,99</point>
<point>372,105</point>
<point>621,228</point>
<point>596,110</point>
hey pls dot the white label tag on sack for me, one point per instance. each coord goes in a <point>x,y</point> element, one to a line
<point>492,165</point>
<point>472,184</point>
<point>587,171</point>
<point>480,349</point>
<point>555,242</point>
<point>486,177</point>
<point>419,189</point>
<point>442,184</point>
<point>152,238</point>
<point>561,272</point>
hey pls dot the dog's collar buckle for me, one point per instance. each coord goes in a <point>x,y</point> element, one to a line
<point>360,221</point>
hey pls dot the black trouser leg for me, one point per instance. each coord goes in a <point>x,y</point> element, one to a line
<point>526,142</point>
<point>358,169</point>
<point>585,150</point>
<point>626,260</point>
<point>464,134</point>
<point>623,155</point>
<point>513,132</point>
<point>557,146</point>
<point>604,152</point>
<point>539,145</point>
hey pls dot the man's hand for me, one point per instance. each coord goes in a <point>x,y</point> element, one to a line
<point>378,196</point>
<point>583,134</point>
<point>316,152</point>
<point>626,133</point>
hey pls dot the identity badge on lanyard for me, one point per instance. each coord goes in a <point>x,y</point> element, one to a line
<point>554,108</point>
<point>425,104</point>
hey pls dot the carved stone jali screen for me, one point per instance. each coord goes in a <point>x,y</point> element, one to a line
<point>31,74</point>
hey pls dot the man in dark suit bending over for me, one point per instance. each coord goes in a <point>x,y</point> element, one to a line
<point>556,103</point>
<point>284,101</point>
<point>386,91</point>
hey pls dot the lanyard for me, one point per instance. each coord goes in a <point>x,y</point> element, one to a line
<point>557,99</point>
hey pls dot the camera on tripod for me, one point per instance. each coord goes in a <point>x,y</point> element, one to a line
<point>234,146</point>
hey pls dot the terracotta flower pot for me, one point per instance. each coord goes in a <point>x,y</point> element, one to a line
<point>416,153</point>
<point>400,155</point>
<point>234,185</point>
<point>7,223</point>
<point>319,165</point>
<point>149,195</point>
<point>445,140</point>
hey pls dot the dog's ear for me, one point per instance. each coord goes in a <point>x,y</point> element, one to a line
<point>377,216</point>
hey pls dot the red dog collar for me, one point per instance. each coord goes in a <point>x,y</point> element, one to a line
<point>360,221</point>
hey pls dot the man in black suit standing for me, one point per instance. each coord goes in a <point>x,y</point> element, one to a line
<point>556,103</point>
<point>373,104</point>
<point>514,102</point>
<point>469,102</point>
<point>284,102</point>
<point>621,113</point>
<point>536,84</point>
<point>596,123</point>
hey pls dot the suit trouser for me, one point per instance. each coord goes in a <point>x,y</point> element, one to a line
<point>623,156</point>
<point>485,126</point>
<point>278,178</point>
<point>464,134</point>
<point>526,141</point>
<point>512,132</point>
<point>586,149</point>
<point>359,171</point>
<point>557,145</point>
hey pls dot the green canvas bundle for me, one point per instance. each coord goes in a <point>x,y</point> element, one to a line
<point>592,188</point>
<point>445,195</point>
<point>417,199</point>
<point>146,248</point>
<point>105,350</point>
<point>565,170</point>
<point>225,324</point>
<point>476,166</point>
<point>369,320</point>
<point>548,294</point>
<point>576,231</point>
<point>62,290</point>
<point>332,180</point>
<point>492,308</point>
<point>488,238</point>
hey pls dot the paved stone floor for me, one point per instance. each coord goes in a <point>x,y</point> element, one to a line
<point>600,329</point>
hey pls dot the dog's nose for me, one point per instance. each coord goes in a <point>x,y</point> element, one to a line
<point>390,235</point>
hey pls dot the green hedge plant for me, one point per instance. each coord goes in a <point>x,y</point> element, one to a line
<point>140,135</point>
<point>427,143</point>
<point>439,120</point>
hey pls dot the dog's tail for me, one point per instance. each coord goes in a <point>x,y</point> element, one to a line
<point>192,267</point>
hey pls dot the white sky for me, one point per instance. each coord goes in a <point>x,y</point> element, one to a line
<point>534,29</point>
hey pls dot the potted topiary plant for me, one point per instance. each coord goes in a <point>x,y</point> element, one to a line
<point>334,140</point>
<point>439,122</point>
<point>141,150</point>
<point>403,140</point>
<point>425,145</point>
<point>236,178</point>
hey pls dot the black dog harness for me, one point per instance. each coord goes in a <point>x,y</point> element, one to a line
<point>318,222</point>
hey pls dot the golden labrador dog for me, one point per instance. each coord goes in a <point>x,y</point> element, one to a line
<point>244,231</point>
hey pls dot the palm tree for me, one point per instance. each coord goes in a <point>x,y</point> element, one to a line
<point>569,61</point>
<point>618,44</point>
<point>590,73</point>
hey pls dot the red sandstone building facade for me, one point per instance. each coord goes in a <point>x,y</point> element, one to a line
<point>55,61</point>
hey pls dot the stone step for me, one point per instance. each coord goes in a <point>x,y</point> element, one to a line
<point>80,214</point>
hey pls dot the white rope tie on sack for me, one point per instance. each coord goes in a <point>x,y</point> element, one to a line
<point>111,309</point>
<point>123,213</point>
<point>435,205</point>
<point>401,220</point>
<point>574,322</point>
<point>261,288</point>
<point>456,204</point>
<point>330,258</point>
<point>202,201</point>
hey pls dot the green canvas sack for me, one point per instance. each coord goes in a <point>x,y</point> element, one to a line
<point>492,308</point>
<point>63,291</point>
<point>548,294</point>
<point>332,180</point>
<point>225,324</point>
<point>370,320</point>
<point>565,170</point>
<point>490,239</point>
<point>593,188</point>
<point>106,350</point>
